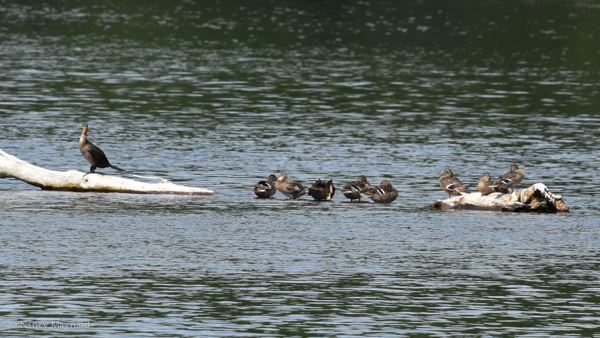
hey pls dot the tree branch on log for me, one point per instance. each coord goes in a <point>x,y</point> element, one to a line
<point>536,198</point>
<point>73,180</point>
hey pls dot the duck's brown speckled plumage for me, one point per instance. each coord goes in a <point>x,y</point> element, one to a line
<point>510,179</point>
<point>451,184</point>
<point>353,190</point>
<point>384,193</point>
<point>291,189</point>
<point>486,186</point>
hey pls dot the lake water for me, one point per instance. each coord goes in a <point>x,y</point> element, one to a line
<point>221,95</point>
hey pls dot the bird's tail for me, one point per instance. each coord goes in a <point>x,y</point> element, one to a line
<point>117,168</point>
<point>331,190</point>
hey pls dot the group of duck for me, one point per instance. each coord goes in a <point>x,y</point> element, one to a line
<point>385,192</point>
<point>324,190</point>
<point>453,186</point>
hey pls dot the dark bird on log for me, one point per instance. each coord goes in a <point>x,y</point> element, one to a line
<point>94,155</point>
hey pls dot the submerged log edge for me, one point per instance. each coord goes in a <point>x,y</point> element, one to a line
<point>536,198</point>
<point>72,180</point>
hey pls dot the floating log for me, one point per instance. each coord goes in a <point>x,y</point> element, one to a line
<point>536,198</point>
<point>73,180</point>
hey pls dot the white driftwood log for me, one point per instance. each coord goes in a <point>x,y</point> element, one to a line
<point>536,198</point>
<point>73,180</point>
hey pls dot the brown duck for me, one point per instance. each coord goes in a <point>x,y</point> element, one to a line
<point>384,193</point>
<point>451,184</point>
<point>353,190</point>
<point>291,189</point>
<point>266,189</point>
<point>322,190</point>
<point>510,179</point>
<point>486,186</point>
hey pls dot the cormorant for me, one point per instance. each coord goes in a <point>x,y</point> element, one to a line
<point>94,155</point>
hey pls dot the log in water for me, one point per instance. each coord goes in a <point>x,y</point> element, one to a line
<point>536,198</point>
<point>72,180</point>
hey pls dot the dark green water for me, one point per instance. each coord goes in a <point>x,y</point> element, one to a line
<point>219,95</point>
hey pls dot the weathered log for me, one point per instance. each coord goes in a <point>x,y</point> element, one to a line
<point>536,198</point>
<point>73,180</point>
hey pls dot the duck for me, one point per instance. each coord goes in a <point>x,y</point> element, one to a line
<point>353,190</point>
<point>322,190</point>
<point>510,179</point>
<point>384,193</point>
<point>451,184</point>
<point>486,186</point>
<point>291,189</point>
<point>266,189</point>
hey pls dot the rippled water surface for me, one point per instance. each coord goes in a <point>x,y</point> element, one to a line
<point>221,95</point>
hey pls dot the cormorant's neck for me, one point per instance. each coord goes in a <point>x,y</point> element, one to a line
<point>83,138</point>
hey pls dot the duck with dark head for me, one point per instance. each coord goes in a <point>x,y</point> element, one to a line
<point>266,189</point>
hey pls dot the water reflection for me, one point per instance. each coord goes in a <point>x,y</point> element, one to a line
<point>221,95</point>
<point>385,295</point>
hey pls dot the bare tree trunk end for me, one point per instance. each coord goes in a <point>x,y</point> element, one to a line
<point>73,180</point>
